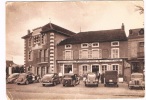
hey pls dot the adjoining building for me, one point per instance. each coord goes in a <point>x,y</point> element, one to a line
<point>93,51</point>
<point>136,50</point>
<point>40,48</point>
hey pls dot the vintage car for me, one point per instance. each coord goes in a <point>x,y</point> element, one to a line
<point>91,79</point>
<point>12,78</point>
<point>24,78</point>
<point>111,78</point>
<point>70,79</point>
<point>50,79</point>
<point>137,80</point>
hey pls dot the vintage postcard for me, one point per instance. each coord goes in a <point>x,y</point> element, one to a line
<point>75,50</point>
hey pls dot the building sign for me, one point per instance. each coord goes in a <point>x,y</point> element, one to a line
<point>90,61</point>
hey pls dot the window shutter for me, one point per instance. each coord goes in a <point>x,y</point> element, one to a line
<point>71,54</point>
<point>90,54</point>
<point>100,54</point>
<point>63,55</point>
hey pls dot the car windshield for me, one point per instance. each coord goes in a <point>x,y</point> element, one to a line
<point>136,76</point>
<point>12,75</point>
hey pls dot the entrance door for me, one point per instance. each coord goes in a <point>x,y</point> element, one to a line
<point>95,68</point>
<point>68,68</point>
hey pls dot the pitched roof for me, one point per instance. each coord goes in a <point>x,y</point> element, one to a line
<point>53,27</point>
<point>134,33</point>
<point>96,36</point>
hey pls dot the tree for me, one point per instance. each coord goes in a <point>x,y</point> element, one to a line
<point>140,9</point>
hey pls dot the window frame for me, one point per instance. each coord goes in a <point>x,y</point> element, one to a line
<point>95,43</point>
<point>112,52</point>
<point>64,67</point>
<point>84,46</point>
<point>98,54</point>
<point>68,47</point>
<point>71,54</point>
<point>115,45</point>
<point>117,65</point>
<point>80,53</point>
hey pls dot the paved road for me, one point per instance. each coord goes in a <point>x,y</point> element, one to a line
<point>37,91</point>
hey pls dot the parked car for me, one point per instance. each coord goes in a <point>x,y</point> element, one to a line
<point>91,79</point>
<point>50,79</point>
<point>111,78</point>
<point>70,79</point>
<point>137,80</point>
<point>12,78</point>
<point>24,78</point>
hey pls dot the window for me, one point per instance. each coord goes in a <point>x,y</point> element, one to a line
<point>68,54</point>
<point>84,45</point>
<point>115,53</point>
<point>95,53</point>
<point>43,39</point>
<point>115,67</point>
<point>104,68</point>
<point>84,69</point>
<point>68,46</point>
<point>68,68</point>
<point>141,44</point>
<point>115,43</point>
<point>36,39</point>
<point>30,55</point>
<point>29,42</point>
<point>83,54</point>
<point>95,44</point>
<point>141,32</point>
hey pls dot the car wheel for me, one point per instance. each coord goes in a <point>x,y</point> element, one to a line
<point>97,85</point>
<point>85,84</point>
<point>18,83</point>
<point>54,83</point>
<point>117,85</point>
<point>63,85</point>
<point>43,84</point>
<point>104,85</point>
<point>130,87</point>
<point>26,82</point>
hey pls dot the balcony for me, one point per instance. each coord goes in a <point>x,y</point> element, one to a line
<point>42,60</point>
<point>140,54</point>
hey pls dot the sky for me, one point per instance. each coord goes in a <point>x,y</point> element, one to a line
<point>74,16</point>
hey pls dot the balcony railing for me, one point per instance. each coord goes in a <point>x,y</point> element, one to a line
<point>140,54</point>
<point>42,59</point>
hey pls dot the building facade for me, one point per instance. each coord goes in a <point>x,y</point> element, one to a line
<point>136,50</point>
<point>40,48</point>
<point>94,51</point>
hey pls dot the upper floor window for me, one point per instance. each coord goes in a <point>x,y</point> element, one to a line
<point>30,55</point>
<point>83,54</point>
<point>36,39</point>
<point>115,53</point>
<point>141,32</point>
<point>141,44</point>
<point>68,46</point>
<point>95,44</point>
<point>84,45</point>
<point>68,54</point>
<point>43,39</point>
<point>115,43</point>
<point>29,42</point>
<point>95,53</point>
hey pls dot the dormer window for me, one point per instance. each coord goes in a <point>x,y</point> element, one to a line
<point>141,32</point>
<point>115,43</point>
<point>68,46</point>
<point>84,45</point>
<point>95,44</point>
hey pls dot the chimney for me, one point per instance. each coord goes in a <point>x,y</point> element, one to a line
<point>122,27</point>
<point>28,31</point>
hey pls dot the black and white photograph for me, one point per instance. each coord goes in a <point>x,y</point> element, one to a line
<point>74,50</point>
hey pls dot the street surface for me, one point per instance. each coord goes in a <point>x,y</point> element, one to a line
<point>37,92</point>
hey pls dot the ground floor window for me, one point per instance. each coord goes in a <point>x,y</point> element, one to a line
<point>115,67</point>
<point>104,68</point>
<point>135,67</point>
<point>68,68</point>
